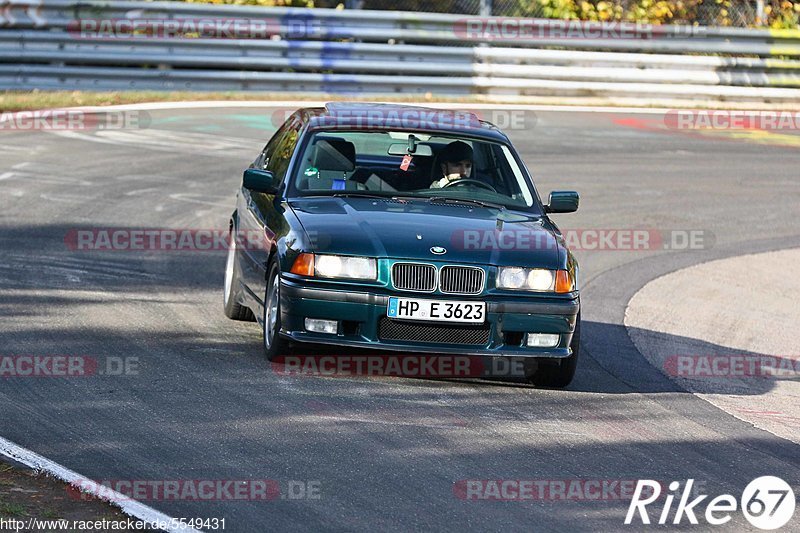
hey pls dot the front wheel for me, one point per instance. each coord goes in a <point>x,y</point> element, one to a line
<point>274,344</point>
<point>559,374</point>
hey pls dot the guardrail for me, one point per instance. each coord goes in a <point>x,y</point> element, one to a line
<point>63,44</point>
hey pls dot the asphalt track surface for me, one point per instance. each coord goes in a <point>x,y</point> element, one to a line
<point>386,452</point>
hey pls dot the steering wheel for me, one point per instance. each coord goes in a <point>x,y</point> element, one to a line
<point>468,181</point>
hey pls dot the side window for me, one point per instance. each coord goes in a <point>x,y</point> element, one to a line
<point>276,155</point>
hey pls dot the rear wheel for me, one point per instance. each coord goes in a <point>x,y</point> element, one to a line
<point>274,344</point>
<point>233,309</point>
<point>558,374</point>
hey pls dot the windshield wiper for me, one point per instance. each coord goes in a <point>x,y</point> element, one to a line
<point>443,199</point>
<point>357,194</point>
<point>451,200</point>
<point>360,194</point>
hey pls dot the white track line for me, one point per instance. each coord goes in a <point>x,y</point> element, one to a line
<point>295,104</point>
<point>128,506</point>
<point>151,106</point>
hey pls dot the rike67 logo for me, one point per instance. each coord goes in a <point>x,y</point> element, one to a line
<point>767,502</point>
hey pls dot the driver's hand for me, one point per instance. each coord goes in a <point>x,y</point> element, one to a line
<point>447,179</point>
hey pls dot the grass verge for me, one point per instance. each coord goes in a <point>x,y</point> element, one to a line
<point>26,495</point>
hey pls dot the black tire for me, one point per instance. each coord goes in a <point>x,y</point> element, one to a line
<point>274,344</point>
<point>559,374</point>
<point>230,297</point>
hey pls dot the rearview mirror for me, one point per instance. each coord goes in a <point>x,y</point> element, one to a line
<point>562,202</point>
<point>423,150</point>
<point>259,181</point>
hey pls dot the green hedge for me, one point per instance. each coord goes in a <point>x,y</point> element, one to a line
<point>779,13</point>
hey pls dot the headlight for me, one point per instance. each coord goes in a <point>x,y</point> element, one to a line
<point>340,266</point>
<point>511,278</point>
<point>534,279</point>
<point>540,279</point>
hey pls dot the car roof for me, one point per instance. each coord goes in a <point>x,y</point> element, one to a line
<point>389,116</point>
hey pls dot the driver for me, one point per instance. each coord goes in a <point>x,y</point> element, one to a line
<point>455,163</point>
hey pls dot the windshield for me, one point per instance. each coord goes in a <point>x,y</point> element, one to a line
<point>412,164</point>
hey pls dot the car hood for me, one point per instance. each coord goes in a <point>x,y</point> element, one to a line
<point>409,229</point>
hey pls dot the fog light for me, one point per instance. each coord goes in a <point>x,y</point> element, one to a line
<point>322,326</point>
<point>543,340</point>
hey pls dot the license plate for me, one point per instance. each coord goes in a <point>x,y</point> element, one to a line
<point>437,310</point>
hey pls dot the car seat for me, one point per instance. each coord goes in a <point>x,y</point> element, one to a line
<point>333,158</point>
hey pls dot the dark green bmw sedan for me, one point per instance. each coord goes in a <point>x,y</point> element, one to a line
<point>403,229</point>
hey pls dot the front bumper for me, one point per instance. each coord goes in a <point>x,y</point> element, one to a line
<point>360,311</point>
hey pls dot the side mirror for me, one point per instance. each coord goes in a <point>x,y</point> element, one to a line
<point>562,202</point>
<point>259,181</point>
